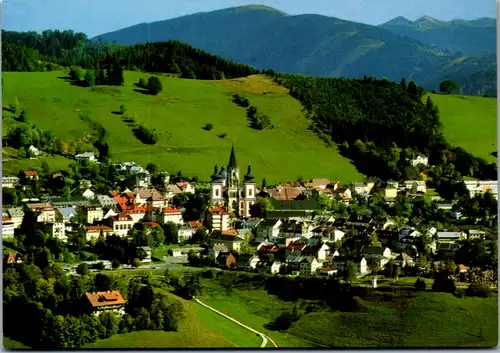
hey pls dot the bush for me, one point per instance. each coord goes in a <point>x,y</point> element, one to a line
<point>446,285</point>
<point>146,135</point>
<point>208,273</point>
<point>142,83</point>
<point>115,264</point>
<point>224,135</point>
<point>154,85</point>
<point>123,109</point>
<point>208,127</point>
<point>419,285</point>
<point>478,290</point>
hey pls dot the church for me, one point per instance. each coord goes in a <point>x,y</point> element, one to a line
<point>228,191</point>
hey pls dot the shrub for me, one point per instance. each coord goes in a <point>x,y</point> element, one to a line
<point>142,83</point>
<point>146,135</point>
<point>123,109</point>
<point>478,290</point>
<point>115,264</point>
<point>224,135</point>
<point>76,73</point>
<point>419,285</point>
<point>154,85</point>
<point>241,101</point>
<point>208,127</point>
<point>446,285</point>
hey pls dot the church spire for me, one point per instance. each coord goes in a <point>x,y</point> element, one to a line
<point>232,160</point>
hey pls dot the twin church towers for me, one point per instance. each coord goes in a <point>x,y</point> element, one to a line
<point>226,189</point>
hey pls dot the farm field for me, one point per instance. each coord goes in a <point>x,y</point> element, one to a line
<point>284,153</point>
<point>469,122</point>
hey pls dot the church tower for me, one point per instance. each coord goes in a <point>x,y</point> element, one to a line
<point>233,184</point>
<point>249,197</point>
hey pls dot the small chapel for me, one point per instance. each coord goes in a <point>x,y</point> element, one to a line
<point>228,191</point>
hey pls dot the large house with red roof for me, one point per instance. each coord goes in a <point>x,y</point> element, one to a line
<point>106,301</point>
<point>93,232</point>
<point>217,219</point>
<point>122,224</point>
<point>169,214</point>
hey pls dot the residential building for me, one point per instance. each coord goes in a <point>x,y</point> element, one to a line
<point>106,202</point>
<point>229,238</point>
<point>419,159</point>
<point>185,232</point>
<point>35,152</point>
<point>479,187</point>
<point>88,194</point>
<point>8,228</point>
<point>106,301</point>
<point>56,230</point>
<point>31,174</point>
<point>66,214</point>
<point>378,255</point>
<point>94,213</point>
<point>16,215</point>
<point>226,260</point>
<point>186,187</point>
<point>169,214</point>
<point>450,237</point>
<point>86,156</point>
<point>93,232</point>
<point>121,224</point>
<point>339,263</point>
<point>269,229</point>
<point>309,265</point>
<point>44,211</point>
<point>10,182</point>
<point>217,219</point>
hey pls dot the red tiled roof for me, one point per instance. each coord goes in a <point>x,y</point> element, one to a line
<point>296,246</point>
<point>183,185</point>
<point>269,248</point>
<point>171,210</point>
<point>195,225</point>
<point>463,267</point>
<point>5,218</point>
<point>121,217</point>
<point>153,224</point>
<point>40,207</point>
<point>218,211</point>
<point>287,193</point>
<point>30,172</point>
<point>105,298</point>
<point>230,232</point>
<point>11,258</point>
<point>327,269</point>
<point>97,229</point>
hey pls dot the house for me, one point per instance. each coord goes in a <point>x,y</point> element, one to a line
<point>377,254</point>
<point>185,232</point>
<point>226,260</point>
<point>359,188</point>
<point>136,213</point>
<point>56,230</point>
<point>344,194</point>
<point>109,213</point>
<point>195,225</point>
<point>74,201</point>
<point>339,263</point>
<point>44,211</point>
<point>31,174</point>
<point>418,159</point>
<point>317,184</point>
<point>447,250</point>
<point>292,208</point>
<point>87,156</point>
<point>150,196</point>
<point>106,202</point>
<point>186,187</point>
<point>450,237</point>
<point>318,251</point>
<point>479,187</point>
<point>35,152</point>
<point>390,192</point>
<point>13,259</point>
<point>309,265</point>
<point>169,214</point>
<point>276,267</point>
<point>415,186</point>
<point>217,219</point>
<point>10,182</point>
<point>404,260</point>
<point>228,238</point>
<point>8,227</point>
<point>93,232</point>
<point>88,194</point>
<point>93,213</point>
<point>476,234</point>
<point>327,271</point>
<point>65,214</point>
<point>16,215</point>
<point>247,262</point>
<point>214,250</point>
<point>363,220</point>
<point>121,224</point>
<point>106,301</point>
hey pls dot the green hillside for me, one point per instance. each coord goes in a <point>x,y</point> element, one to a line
<point>469,122</point>
<point>11,344</point>
<point>179,113</point>
<point>427,320</point>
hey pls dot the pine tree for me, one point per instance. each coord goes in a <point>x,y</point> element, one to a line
<point>264,183</point>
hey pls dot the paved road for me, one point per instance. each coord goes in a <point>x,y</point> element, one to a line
<point>265,338</point>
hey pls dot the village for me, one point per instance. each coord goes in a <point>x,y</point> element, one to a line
<point>275,230</point>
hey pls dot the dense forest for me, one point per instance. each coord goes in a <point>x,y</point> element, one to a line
<point>31,51</point>
<point>380,125</point>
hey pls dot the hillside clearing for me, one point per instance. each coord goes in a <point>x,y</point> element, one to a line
<point>469,122</point>
<point>179,113</point>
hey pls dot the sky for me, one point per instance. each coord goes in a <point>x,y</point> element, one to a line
<point>95,17</point>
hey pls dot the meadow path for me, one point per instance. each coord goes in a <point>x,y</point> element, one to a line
<point>265,338</point>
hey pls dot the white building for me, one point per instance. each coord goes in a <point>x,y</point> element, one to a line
<point>169,214</point>
<point>478,187</point>
<point>10,182</point>
<point>419,160</point>
<point>8,228</point>
<point>34,151</point>
<point>87,156</point>
<point>218,219</point>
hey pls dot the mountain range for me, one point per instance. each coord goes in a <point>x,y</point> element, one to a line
<point>318,45</point>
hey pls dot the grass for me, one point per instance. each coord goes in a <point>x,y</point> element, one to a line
<point>179,113</point>
<point>252,307</point>
<point>469,122</point>
<point>200,328</point>
<point>162,250</point>
<point>427,320</point>
<point>11,344</point>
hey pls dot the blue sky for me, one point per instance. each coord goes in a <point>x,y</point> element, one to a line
<point>94,17</point>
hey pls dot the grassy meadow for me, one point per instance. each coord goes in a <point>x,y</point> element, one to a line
<point>200,328</point>
<point>469,122</point>
<point>179,113</point>
<point>11,344</point>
